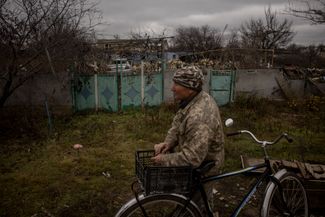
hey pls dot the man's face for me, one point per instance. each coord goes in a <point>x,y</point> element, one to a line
<point>180,92</point>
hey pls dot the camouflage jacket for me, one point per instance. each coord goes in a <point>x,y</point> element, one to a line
<point>196,133</point>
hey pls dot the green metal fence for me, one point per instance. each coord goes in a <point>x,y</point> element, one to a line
<point>107,93</point>
<point>131,90</point>
<point>83,92</point>
<point>112,93</point>
<point>222,85</point>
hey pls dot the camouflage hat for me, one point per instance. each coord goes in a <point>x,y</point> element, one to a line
<point>190,77</point>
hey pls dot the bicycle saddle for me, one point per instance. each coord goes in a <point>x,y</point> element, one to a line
<point>205,167</point>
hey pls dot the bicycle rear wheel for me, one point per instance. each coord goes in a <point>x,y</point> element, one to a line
<point>160,205</point>
<point>294,195</point>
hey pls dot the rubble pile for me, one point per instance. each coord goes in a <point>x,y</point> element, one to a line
<point>295,73</point>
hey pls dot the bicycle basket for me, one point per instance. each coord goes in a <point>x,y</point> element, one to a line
<point>160,179</point>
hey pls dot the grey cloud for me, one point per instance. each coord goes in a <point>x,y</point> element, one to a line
<point>133,15</point>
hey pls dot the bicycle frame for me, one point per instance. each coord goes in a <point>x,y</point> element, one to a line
<point>268,176</point>
<point>265,176</point>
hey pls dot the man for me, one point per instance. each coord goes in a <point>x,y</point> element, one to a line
<point>196,130</point>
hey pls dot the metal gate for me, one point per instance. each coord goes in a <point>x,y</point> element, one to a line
<point>131,90</point>
<point>113,92</point>
<point>83,92</point>
<point>222,85</point>
<point>107,92</point>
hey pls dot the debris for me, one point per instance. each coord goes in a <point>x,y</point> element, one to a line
<point>285,87</point>
<point>106,174</point>
<point>77,146</point>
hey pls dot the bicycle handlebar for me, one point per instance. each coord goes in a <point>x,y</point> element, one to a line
<point>285,135</point>
<point>233,133</point>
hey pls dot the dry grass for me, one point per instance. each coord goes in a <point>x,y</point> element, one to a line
<point>43,175</point>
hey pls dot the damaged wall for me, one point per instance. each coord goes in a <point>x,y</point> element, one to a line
<point>55,88</point>
<point>263,83</point>
<point>258,82</point>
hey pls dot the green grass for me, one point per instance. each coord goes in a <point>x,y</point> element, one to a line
<point>43,175</point>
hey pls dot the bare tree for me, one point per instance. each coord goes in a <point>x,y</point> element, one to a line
<point>197,39</point>
<point>150,41</point>
<point>272,33</point>
<point>34,34</point>
<point>301,56</point>
<point>312,52</point>
<point>233,39</point>
<point>312,10</point>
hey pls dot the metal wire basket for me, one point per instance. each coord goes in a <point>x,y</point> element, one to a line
<point>159,179</point>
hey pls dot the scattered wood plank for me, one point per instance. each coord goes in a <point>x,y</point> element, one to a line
<point>314,84</point>
<point>285,87</point>
<point>313,176</point>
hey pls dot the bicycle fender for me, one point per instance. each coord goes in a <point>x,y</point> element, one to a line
<point>270,188</point>
<point>133,201</point>
<point>127,205</point>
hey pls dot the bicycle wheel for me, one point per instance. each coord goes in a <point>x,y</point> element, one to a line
<point>160,205</point>
<point>294,195</point>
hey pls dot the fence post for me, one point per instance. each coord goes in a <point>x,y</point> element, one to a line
<point>142,86</point>
<point>119,88</point>
<point>96,92</point>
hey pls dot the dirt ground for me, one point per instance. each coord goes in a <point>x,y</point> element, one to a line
<point>30,159</point>
<point>229,192</point>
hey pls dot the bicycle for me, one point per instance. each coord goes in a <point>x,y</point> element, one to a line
<point>284,194</point>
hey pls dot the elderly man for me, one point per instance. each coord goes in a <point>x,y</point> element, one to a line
<point>196,131</point>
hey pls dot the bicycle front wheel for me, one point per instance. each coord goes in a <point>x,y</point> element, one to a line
<point>294,196</point>
<point>160,205</point>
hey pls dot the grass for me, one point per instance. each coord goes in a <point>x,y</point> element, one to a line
<point>43,175</point>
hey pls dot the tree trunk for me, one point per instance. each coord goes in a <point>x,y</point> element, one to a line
<point>6,90</point>
<point>5,93</point>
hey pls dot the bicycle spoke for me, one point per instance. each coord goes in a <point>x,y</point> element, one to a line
<point>293,195</point>
<point>296,199</point>
<point>278,206</point>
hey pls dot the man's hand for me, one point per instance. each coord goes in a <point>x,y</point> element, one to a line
<point>161,148</point>
<point>158,159</point>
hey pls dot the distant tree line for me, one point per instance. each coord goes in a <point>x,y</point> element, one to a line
<point>257,42</point>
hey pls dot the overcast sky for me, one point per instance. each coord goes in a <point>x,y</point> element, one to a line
<point>123,16</point>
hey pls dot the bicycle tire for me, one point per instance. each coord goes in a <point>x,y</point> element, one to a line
<point>160,205</point>
<point>294,195</point>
